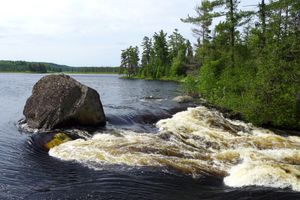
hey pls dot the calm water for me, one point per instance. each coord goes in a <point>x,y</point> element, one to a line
<point>26,172</point>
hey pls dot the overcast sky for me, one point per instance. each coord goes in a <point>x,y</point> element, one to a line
<point>85,32</point>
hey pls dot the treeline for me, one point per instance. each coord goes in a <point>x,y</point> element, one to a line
<point>108,70</point>
<point>22,66</point>
<point>162,56</point>
<point>40,67</point>
<point>248,62</point>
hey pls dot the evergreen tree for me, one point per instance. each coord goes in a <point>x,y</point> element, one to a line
<point>161,54</point>
<point>189,50</point>
<point>130,61</point>
<point>203,20</point>
<point>175,43</point>
<point>146,56</point>
<point>178,53</point>
<point>202,23</point>
<point>179,62</point>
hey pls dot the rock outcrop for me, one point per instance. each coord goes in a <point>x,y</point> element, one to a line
<point>183,99</point>
<point>59,100</point>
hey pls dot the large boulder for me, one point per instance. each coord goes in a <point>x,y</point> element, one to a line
<point>59,100</point>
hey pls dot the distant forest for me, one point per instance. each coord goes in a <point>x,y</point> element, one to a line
<point>41,67</point>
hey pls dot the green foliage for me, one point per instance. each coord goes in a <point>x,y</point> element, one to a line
<point>130,61</point>
<point>146,57</point>
<point>176,43</point>
<point>190,86</point>
<point>255,73</point>
<point>276,89</point>
<point>162,58</point>
<point>208,76</point>
<point>160,55</point>
<point>178,65</point>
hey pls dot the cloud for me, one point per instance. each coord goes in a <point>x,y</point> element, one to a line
<point>84,32</point>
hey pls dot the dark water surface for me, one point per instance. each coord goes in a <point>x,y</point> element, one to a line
<point>26,172</point>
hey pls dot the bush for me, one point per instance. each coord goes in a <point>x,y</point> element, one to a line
<point>190,86</point>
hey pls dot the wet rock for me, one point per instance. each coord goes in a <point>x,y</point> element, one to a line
<point>59,100</point>
<point>152,98</point>
<point>57,139</point>
<point>298,106</point>
<point>183,99</point>
<point>48,140</point>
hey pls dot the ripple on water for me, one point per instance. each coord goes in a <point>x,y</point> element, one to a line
<point>26,172</point>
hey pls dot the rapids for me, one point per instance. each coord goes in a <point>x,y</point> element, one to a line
<point>199,141</point>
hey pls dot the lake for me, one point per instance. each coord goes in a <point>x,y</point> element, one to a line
<point>134,158</point>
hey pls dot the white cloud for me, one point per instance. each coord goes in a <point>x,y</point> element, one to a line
<point>84,32</point>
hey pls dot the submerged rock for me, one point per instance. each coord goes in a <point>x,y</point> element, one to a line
<point>59,100</point>
<point>152,98</point>
<point>48,139</point>
<point>183,99</point>
<point>57,139</point>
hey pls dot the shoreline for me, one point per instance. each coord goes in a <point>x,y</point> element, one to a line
<point>228,113</point>
<point>179,80</point>
<point>283,131</point>
<point>25,72</point>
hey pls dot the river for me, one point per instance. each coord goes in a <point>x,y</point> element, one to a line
<point>146,151</point>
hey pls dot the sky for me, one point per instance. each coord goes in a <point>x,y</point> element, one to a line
<point>85,32</point>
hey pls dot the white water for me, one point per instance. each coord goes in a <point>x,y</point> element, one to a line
<point>197,141</point>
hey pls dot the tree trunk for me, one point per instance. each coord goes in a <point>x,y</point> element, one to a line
<point>263,22</point>
<point>298,106</point>
<point>232,30</point>
<point>286,21</point>
<point>279,26</point>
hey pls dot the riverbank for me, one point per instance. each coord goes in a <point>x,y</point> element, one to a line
<point>190,85</point>
<point>171,79</point>
<point>233,115</point>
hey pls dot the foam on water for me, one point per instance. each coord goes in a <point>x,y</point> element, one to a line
<point>197,141</point>
<point>262,173</point>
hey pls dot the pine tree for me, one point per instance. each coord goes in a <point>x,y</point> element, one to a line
<point>146,56</point>
<point>161,54</point>
<point>130,61</point>
<point>175,43</point>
